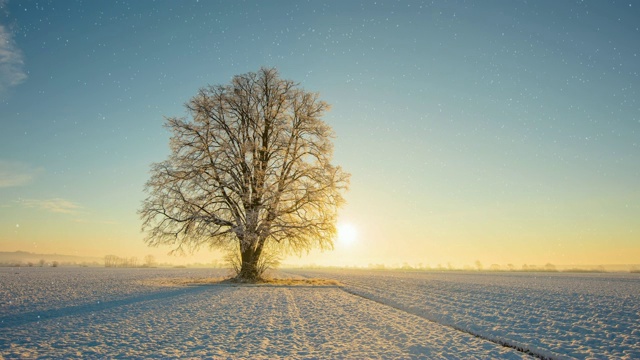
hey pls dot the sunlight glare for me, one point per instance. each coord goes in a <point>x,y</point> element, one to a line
<point>347,234</point>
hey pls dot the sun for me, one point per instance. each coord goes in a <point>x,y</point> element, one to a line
<point>347,234</point>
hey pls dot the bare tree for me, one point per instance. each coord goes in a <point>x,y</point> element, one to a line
<point>478,265</point>
<point>510,267</point>
<point>110,261</point>
<point>149,261</point>
<point>251,166</point>
<point>550,267</point>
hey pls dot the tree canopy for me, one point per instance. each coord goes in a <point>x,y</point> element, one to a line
<point>249,168</point>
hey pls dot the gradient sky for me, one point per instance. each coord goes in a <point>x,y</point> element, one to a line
<point>498,131</point>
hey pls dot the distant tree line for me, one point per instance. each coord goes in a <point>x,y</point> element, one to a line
<point>478,266</point>
<point>40,263</point>
<point>128,262</point>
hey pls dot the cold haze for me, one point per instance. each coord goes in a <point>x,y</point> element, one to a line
<point>495,131</point>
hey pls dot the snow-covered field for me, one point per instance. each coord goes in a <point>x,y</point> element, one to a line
<point>131,313</point>
<point>557,315</point>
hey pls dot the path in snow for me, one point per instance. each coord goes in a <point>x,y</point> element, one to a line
<point>233,321</point>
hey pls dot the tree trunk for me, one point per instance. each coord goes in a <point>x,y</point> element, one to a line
<point>249,270</point>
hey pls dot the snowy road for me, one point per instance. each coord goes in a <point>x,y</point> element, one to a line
<point>219,321</point>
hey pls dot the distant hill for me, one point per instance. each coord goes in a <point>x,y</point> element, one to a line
<point>24,257</point>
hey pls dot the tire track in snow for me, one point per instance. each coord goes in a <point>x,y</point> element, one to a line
<point>297,321</point>
<point>537,353</point>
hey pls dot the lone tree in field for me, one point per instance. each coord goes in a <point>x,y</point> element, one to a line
<point>250,169</point>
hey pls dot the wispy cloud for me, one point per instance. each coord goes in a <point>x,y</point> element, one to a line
<point>11,58</point>
<point>15,173</point>
<point>56,205</point>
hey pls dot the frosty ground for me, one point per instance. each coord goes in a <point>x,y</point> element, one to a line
<point>125,313</point>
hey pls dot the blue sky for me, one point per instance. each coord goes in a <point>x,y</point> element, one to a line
<point>499,131</point>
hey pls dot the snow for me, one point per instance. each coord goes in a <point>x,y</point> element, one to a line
<point>124,313</point>
<point>557,315</point>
